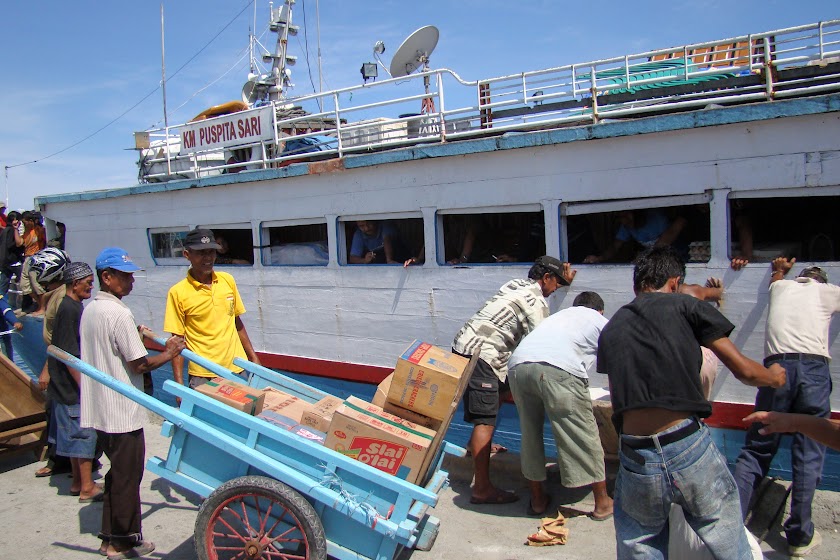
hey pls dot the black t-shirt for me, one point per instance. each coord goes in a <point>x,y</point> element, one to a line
<point>9,252</point>
<point>650,350</point>
<point>63,388</point>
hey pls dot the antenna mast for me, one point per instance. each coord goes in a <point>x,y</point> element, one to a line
<point>163,71</point>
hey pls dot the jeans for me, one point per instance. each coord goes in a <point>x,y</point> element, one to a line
<point>691,473</point>
<point>806,391</point>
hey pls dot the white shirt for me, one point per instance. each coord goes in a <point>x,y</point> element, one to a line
<point>799,316</point>
<point>567,340</point>
<point>110,340</point>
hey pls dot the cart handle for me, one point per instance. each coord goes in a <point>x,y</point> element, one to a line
<point>193,357</point>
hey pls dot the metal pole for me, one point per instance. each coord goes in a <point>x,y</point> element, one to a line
<point>320,74</point>
<point>163,88</point>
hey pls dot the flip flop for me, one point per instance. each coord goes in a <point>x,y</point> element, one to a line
<point>143,548</point>
<point>534,513</point>
<point>44,472</point>
<point>500,497</point>
<point>98,497</point>
<point>594,517</point>
<point>497,448</point>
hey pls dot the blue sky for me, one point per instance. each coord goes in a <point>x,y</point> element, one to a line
<point>69,68</point>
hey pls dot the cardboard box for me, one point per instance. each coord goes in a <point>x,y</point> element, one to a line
<point>368,434</point>
<point>319,415</point>
<point>286,423</point>
<point>239,396</point>
<point>426,380</point>
<point>380,399</point>
<point>285,404</point>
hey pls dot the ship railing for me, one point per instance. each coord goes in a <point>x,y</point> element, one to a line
<point>796,61</point>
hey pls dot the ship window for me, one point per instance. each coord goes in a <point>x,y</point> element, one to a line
<point>237,246</point>
<point>493,237</point>
<point>373,240</point>
<point>628,227</point>
<point>803,227</point>
<point>168,245</point>
<point>295,245</point>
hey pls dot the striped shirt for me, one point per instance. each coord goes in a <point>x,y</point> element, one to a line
<point>496,329</point>
<point>109,341</point>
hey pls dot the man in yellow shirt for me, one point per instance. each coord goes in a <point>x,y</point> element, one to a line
<point>204,310</point>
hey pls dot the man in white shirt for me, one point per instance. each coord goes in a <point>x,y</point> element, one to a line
<point>797,339</point>
<point>548,377</point>
<point>110,343</point>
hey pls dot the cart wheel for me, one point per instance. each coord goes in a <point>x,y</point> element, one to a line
<point>257,517</point>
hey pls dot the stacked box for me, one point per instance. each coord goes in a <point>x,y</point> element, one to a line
<point>380,399</point>
<point>285,404</point>
<point>239,396</point>
<point>319,415</point>
<point>426,380</point>
<point>286,423</point>
<point>389,443</point>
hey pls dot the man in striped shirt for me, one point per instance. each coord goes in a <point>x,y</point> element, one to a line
<point>110,343</point>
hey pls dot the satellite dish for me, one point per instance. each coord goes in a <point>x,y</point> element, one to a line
<point>251,91</point>
<point>414,52</point>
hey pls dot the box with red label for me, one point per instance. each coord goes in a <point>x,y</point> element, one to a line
<point>389,443</point>
<point>285,404</point>
<point>237,395</point>
<point>380,398</point>
<point>319,415</point>
<point>426,380</point>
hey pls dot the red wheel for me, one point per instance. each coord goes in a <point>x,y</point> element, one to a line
<point>257,517</point>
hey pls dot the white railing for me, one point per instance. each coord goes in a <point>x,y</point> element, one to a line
<point>797,61</point>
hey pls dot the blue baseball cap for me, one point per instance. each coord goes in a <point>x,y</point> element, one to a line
<point>116,258</point>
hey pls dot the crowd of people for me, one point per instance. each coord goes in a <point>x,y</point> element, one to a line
<point>659,351</point>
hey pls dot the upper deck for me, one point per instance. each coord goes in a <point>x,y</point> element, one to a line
<point>572,102</point>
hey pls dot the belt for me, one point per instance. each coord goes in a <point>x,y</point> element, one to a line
<point>665,439</point>
<point>795,357</point>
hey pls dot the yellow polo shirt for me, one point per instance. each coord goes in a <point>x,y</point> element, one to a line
<point>206,317</point>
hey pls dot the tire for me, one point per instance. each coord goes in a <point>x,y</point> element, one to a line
<point>223,531</point>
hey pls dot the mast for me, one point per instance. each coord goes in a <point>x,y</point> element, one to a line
<point>163,70</point>
<point>281,23</point>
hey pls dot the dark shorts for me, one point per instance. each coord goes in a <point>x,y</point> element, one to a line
<point>71,440</point>
<point>483,395</point>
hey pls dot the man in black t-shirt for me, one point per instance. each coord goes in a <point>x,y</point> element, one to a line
<point>651,351</point>
<point>71,440</point>
<point>11,250</point>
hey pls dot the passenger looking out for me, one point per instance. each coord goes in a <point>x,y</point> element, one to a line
<point>58,240</point>
<point>376,243</point>
<point>649,228</point>
<point>223,253</point>
<point>11,251</point>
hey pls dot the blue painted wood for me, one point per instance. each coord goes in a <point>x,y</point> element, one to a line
<point>365,512</point>
<point>262,377</point>
<point>200,360</point>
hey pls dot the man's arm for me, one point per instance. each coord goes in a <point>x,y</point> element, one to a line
<point>712,291</point>
<point>246,341</point>
<point>670,235</point>
<point>819,429</point>
<point>780,267</point>
<point>174,345</point>
<point>747,371</point>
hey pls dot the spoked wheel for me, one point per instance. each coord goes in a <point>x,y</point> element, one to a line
<point>257,517</point>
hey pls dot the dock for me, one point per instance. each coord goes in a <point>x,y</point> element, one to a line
<point>44,522</point>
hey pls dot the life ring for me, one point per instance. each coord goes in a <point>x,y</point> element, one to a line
<point>223,109</point>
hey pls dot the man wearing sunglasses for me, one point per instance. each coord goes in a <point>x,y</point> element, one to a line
<point>796,338</point>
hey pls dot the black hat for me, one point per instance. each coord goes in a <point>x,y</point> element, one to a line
<point>553,265</point>
<point>199,239</point>
<point>814,272</point>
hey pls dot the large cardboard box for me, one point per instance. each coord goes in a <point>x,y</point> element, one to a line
<point>368,434</point>
<point>380,399</point>
<point>237,395</point>
<point>426,380</point>
<point>286,423</point>
<point>319,415</point>
<point>285,404</point>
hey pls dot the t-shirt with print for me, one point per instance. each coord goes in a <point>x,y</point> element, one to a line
<point>496,329</point>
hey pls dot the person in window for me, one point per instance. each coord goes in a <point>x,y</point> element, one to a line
<point>649,228</point>
<point>58,240</point>
<point>223,253</point>
<point>376,243</point>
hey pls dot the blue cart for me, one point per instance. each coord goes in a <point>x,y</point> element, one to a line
<point>272,494</point>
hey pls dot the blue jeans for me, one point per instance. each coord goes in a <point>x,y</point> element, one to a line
<point>691,473</point>
<point>806,391</point>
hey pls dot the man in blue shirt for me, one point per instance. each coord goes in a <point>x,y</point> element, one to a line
<point>376,243</point>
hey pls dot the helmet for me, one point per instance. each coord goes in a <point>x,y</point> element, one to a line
<point>49,264</point>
